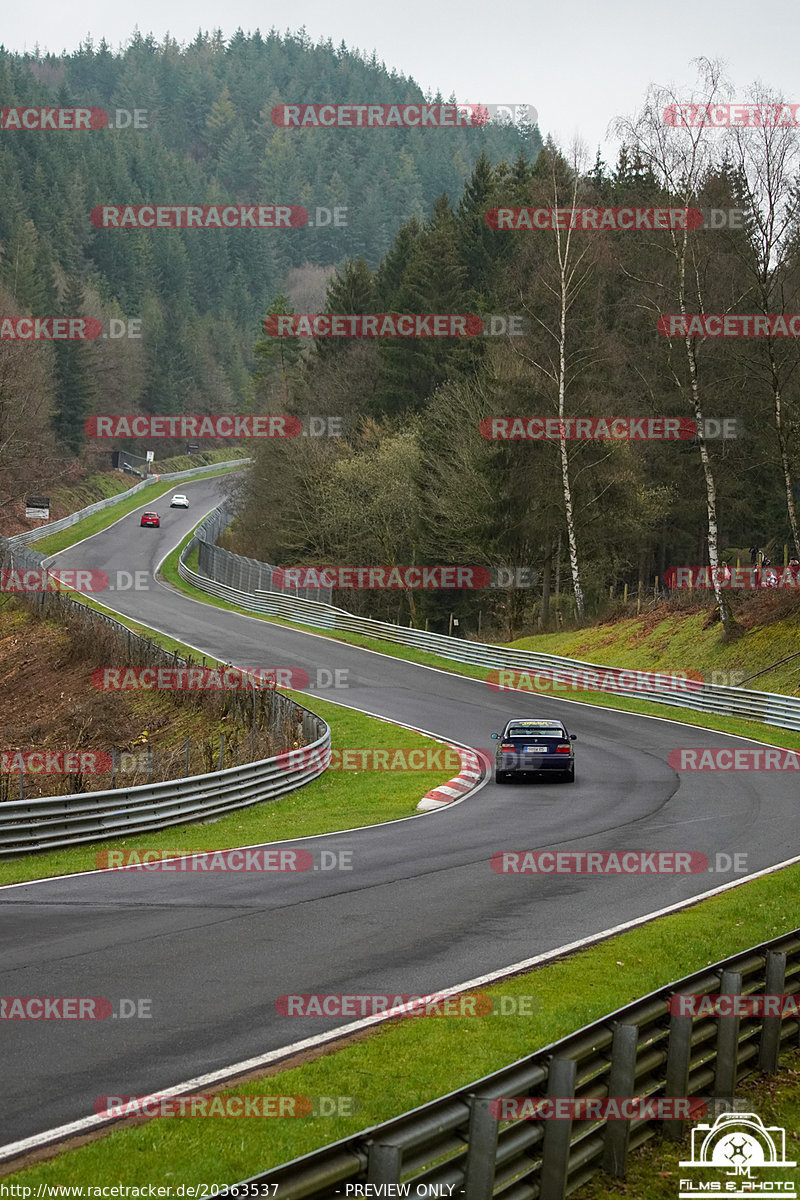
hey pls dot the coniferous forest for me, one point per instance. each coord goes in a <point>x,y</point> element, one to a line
<point>411,479</point>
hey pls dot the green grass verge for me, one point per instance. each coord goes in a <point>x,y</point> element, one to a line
<point>679,642</point>
<point>407,1062</point>
<point>99,486</point>
<point>107,516</point>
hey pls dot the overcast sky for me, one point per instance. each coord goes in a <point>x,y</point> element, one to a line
<point>579,62</point>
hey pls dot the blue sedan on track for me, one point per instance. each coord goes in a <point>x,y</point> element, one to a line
<point>531,747</point>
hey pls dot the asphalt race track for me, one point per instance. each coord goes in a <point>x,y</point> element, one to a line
<point>419,911</point>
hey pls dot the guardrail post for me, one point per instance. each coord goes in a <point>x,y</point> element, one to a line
<point>557,1134</point>
<point>679,1052</point>
<point>727,1040</point>
<point>770,1041</point>
<point>621,1082</point>
<point>383,1163</point>
<point>481,1150</point>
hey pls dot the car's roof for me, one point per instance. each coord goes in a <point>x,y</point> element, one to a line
<point>533,721</point>
<point>521,727</point>
<point>150,513</point>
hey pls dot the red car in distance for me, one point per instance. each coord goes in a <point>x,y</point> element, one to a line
<point>151,518</point>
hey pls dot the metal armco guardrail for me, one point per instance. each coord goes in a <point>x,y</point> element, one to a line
<point>56,821</point>
<point>640,1050</point>
<point>767,707</point>
<point>33,535</point>
<point>50,822</point>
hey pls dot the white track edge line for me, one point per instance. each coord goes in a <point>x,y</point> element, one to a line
<point>84,1124</point>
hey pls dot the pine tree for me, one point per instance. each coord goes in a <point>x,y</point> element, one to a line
<point>481,247</point>
<point>75,389</point>
<point>221,121</point>
<point>434,282</point>
<point>278,356</point>
<point>238,164</point>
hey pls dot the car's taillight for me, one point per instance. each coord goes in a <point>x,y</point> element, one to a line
<point>508,747</point>
<point>564,749</point>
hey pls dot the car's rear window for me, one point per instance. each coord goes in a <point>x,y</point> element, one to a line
<point>535,731</point>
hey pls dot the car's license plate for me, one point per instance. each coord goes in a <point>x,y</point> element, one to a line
<point>536,749</point>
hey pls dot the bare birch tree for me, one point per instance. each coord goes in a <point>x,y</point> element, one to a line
<point>572,269</point>
<point>766,158</point>
<point>681,157</point>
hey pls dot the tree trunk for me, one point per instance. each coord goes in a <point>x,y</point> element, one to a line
<point>777,397</point>
<point>565,481</point>
<point>711,491</point>
<point>546,571</point>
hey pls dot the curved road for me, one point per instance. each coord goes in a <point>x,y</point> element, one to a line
<point>419,911</point>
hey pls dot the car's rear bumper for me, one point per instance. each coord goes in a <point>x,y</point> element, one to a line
<point>540,764</point>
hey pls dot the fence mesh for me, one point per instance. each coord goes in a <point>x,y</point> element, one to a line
<point>235,570</point>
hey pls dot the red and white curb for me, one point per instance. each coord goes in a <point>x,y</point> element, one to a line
<point>470,774</point>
